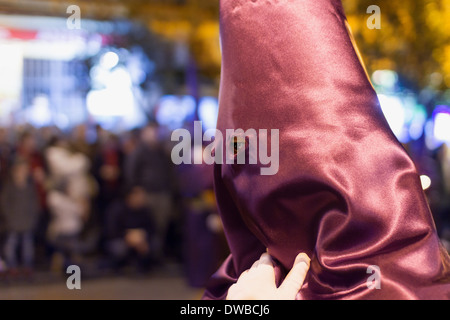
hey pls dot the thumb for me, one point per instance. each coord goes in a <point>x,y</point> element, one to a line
<point>295,278</point>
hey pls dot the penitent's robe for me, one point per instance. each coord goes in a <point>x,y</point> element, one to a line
<point>346,192</point>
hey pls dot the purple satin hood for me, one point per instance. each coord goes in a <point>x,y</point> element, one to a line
<point>346,192</point>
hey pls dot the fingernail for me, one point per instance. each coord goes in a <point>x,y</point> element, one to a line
<point>303,257</point>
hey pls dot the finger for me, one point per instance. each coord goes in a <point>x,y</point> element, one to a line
<point>243,276</point>
<point>232,292</point>
<point>265,260</point>
<point>295,278</point>
<point>262,259</point>
<point>266,269</point>
<point>244,273</point>
<point>255,264</point>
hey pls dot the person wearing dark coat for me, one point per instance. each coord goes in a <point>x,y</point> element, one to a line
<point>130,230</point>
<point>20,209</point>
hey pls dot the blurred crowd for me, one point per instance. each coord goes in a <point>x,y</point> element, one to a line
<point>112,201</point>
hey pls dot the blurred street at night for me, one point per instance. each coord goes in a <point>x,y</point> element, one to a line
<point>90,92</point>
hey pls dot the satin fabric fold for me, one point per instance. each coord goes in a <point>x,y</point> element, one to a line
<point>346,192</point>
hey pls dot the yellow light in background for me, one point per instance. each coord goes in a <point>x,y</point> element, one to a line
<point>172,29</point>
<point>206,44</point>
<point>426,182</point>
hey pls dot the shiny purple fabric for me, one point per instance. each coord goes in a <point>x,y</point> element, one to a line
<point>346,192</point>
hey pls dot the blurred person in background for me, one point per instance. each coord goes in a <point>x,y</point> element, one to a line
<point>444,209</point>
<point>6,150</point>
<point>69,201</point>
<point>204,243</point>
<point>79,142</point>
<point>129,142</point>
<point>107,170</point>
<point>27,149</point>
<point>20,208</point>
<point>130,230</point>
<point>3,268</point>
<point>150,167</point>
